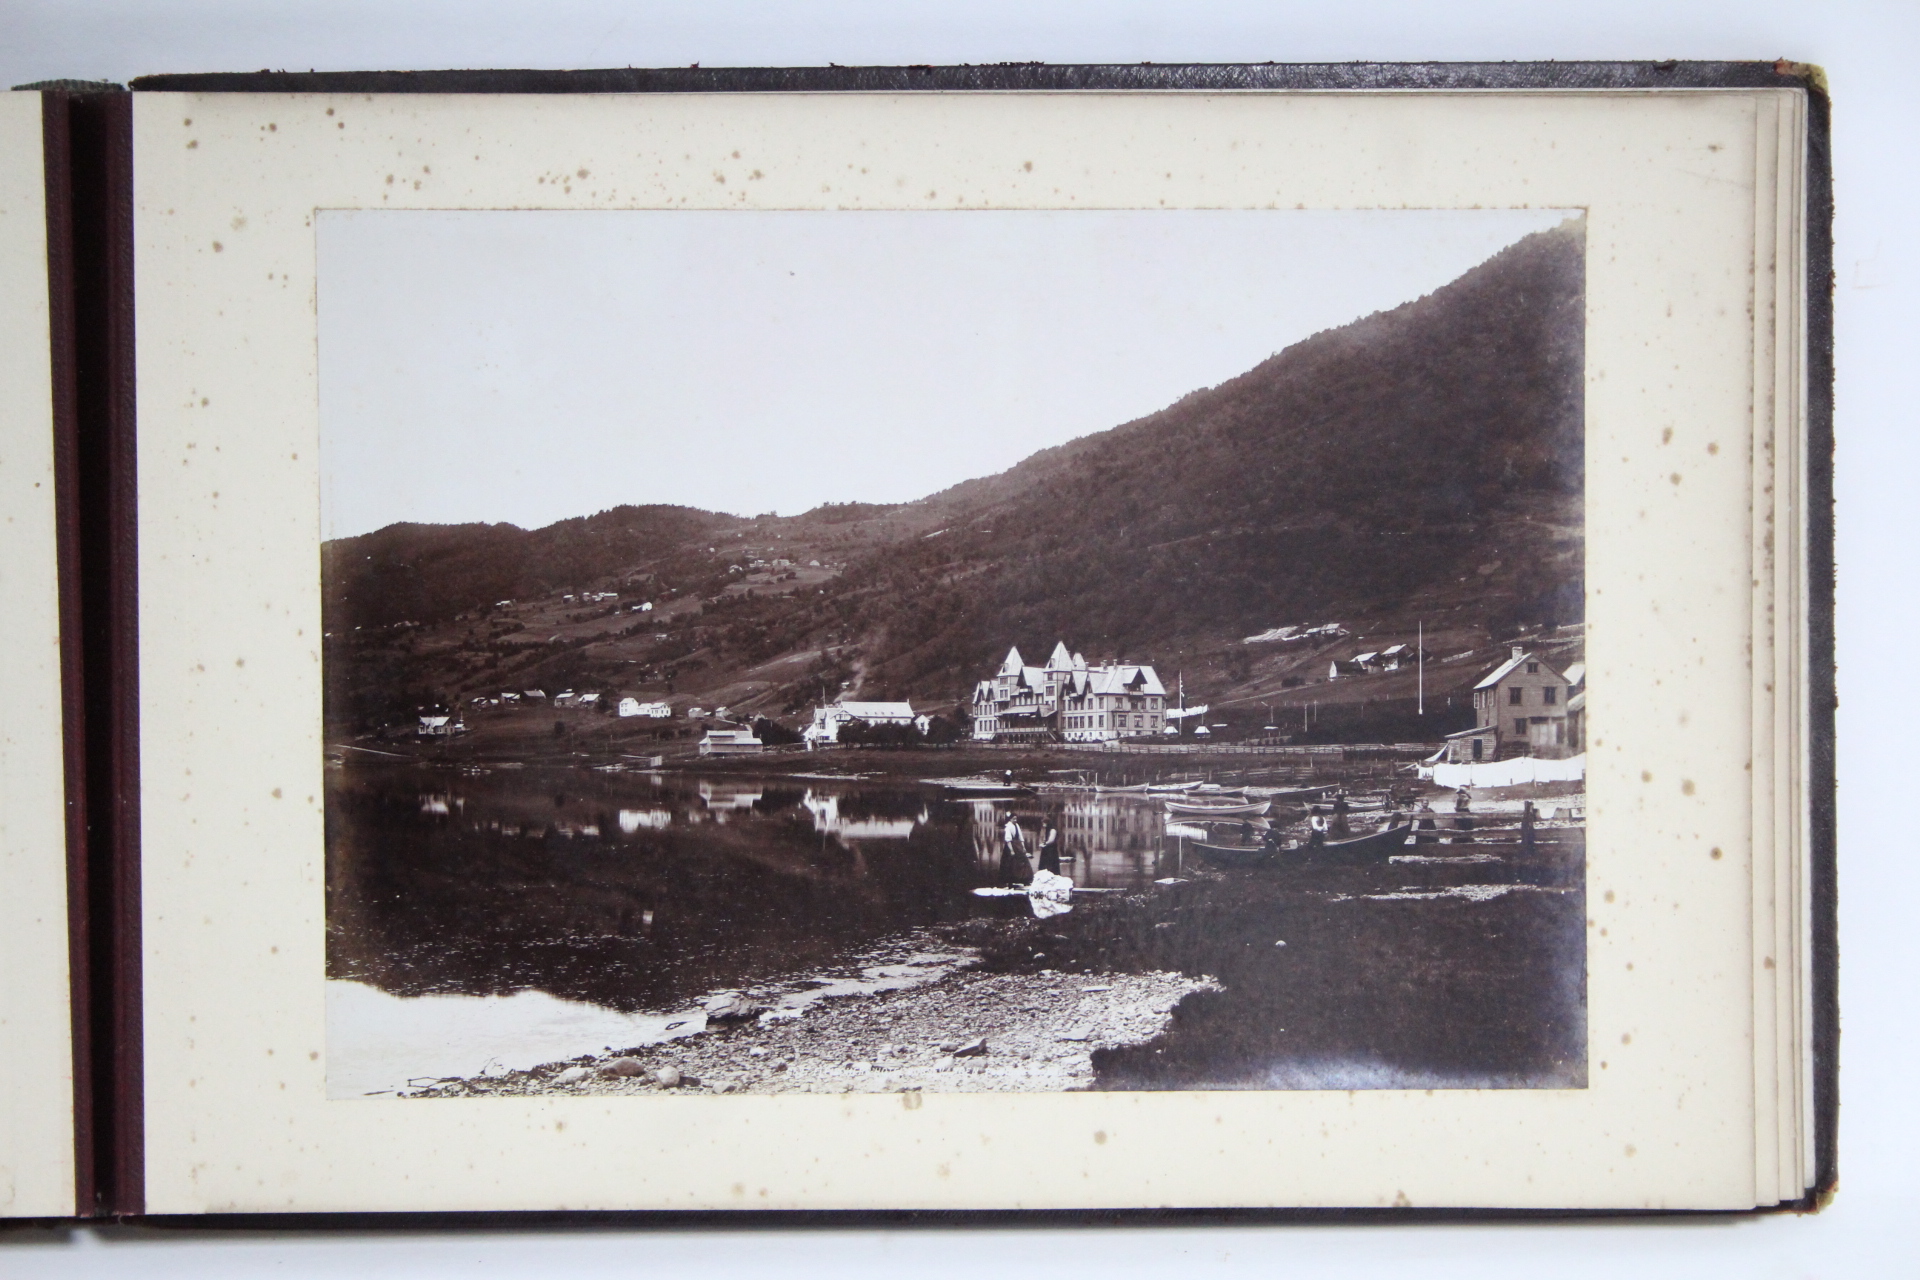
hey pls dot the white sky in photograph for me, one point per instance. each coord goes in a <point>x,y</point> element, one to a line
<point>527,366</point>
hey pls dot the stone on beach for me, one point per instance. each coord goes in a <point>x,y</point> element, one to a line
<point>666,1077</point>
<point>574,1075</point>
<point>731,1006</point>
<point>622,1067</point>
<point>972,1048</point>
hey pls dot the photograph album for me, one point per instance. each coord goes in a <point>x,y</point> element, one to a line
<point>1078,639</point>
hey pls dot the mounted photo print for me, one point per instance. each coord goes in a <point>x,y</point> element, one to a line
<point>953,651</point>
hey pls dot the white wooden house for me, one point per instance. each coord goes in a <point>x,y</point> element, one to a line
<point>1520,709</point>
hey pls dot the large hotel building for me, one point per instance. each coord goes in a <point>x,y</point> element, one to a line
<point>1068,701</point>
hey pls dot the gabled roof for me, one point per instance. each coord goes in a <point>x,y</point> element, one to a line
<point>1500,672</point>
<point>1014,662</point>
<point>1506,669</point>
<point>1576,674</point>
<point>1127,679</point>
<point>1060,659</point>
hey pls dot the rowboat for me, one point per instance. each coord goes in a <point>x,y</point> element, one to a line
<point>1380,845</point>
<point>1230,855</point>
<point>1187,808</point>
<point>1354,805</point>
<point>966,787</point>
<point>1294,795</point>
<point>1172,786</point>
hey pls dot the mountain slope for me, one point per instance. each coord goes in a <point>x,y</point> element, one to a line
<point>1427,458</point>
<point>1352,471</point>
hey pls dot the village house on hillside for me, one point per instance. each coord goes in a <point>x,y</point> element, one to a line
<point>439,726</point>
<point>829,720</point>
<point>1068,700</point>
<point>1520,709</point>
<point>730,742</point>
<point>1395,657</point>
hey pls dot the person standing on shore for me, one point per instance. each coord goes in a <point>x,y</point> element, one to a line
<point>1462,816</point>
<point>1014,867</point>
<point>1050,849</point>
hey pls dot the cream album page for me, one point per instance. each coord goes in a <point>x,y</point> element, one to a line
<point>36,1055</point>
<point>968,651</point>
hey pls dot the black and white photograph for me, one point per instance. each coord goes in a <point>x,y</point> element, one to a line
<point>959,651</point>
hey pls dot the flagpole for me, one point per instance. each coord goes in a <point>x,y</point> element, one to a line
<point>1420,653</point>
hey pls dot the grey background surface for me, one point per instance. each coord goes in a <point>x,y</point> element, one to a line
<point>1867,48</point>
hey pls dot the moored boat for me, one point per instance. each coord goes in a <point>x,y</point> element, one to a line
<point>1379,846</point>
<point>1295,795</point>
<point>1231,855</point>
<point>1194,809</point>
<point>978,787</point>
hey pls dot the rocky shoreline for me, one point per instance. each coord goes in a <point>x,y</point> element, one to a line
<point>968,1030</point>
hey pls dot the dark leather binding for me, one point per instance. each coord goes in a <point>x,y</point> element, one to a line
<point>92,261</point>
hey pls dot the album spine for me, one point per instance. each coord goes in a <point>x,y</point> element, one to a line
<point>89,167</point>
<point>1822,692</point>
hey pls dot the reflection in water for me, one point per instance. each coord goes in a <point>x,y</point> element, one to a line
<point>827,818</point>
<point>1106,841</point>
<point>632,820</point>
<point>721,796</point>
<point>635,893</point>
<point>537,878</point>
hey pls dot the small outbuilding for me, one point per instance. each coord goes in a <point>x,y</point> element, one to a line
<point>730,742</point>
